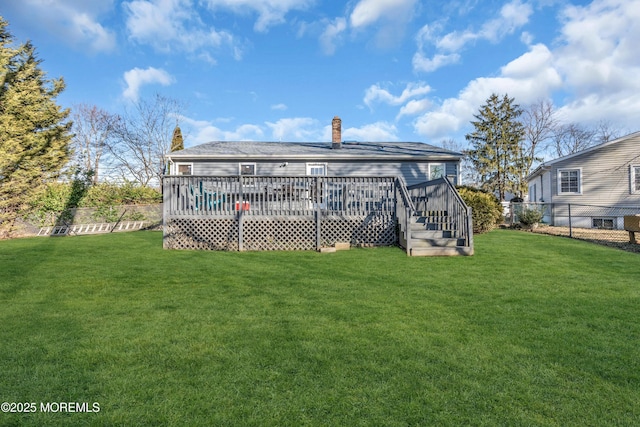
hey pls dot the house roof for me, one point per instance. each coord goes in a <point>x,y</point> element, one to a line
<point>546,165</point>
<point>349,150</point>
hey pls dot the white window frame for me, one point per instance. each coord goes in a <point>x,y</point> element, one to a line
<point>177,168</point>
<point>253,165</point>
<point>433,165</point>
<point>311,166</point>
<point>560,171</point>
<point>633,174</point>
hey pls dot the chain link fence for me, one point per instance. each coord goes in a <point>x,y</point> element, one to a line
<point>601,224</point>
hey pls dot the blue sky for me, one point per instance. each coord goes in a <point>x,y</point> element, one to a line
<point>393,70</point>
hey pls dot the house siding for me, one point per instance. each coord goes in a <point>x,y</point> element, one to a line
<point>605,175</point>
<point>605,184</point>
<point>413,172</point>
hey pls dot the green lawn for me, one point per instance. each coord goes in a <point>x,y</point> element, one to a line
<point>532,330</point>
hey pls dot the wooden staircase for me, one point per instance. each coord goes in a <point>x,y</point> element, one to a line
<point>433,233</point>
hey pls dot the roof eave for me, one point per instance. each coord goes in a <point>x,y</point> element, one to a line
<point>452,157</point>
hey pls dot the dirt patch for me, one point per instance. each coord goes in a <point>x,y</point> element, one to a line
<point>613,238</point>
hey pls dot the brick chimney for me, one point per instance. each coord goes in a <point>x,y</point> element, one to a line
<point>336,133</point>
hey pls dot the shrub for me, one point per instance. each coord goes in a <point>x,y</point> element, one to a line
<point>56,202</point>
<point>486,208</point>
<point>529,216</point>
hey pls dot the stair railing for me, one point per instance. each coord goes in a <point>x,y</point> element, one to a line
<point>405,210</point>
<point>440,195</point>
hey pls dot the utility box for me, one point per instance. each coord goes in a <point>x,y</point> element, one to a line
<point>632,222</point>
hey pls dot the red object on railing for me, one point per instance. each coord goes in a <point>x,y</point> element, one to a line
<point>245,206</point>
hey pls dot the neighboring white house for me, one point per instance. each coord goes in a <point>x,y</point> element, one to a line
<point>606,176</point>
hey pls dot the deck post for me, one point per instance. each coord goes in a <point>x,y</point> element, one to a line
<point>240,211</point>
<point>318,215</point>
<point>167,197</point>
<point>469,227</point>
<point>408,224</point>
<point>240,238</point>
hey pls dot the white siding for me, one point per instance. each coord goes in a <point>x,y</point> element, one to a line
<point>605,175</point>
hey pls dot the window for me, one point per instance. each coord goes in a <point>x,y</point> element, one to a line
<point>317,169</point>
<point>635,179</point>
<point>247,168</point>
<point>569,181</point>
<point>436,170</point>
<point>602,223</point>
<point>184,168</point>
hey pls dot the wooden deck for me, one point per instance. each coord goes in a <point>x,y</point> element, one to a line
<point>288,213</point>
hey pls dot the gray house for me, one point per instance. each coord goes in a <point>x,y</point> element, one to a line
<point>600,185</point>
<point>413,161</point>
<point>299,195</point>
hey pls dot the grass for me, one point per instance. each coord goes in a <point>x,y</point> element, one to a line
<point>532,330</point>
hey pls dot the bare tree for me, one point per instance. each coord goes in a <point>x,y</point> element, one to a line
<point>539,122</point>
<point>467,173</point>
<point>94,129</point>
<point>571,138</point>
<point>605,132</point>
<point>144,137</point>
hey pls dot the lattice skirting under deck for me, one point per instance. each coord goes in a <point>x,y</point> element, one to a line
<point>269,234</point>
<point>371,230</point>
<point>273,233</point>
<point>213,234</point>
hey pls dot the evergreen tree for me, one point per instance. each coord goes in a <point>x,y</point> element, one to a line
<point>176,142</point>
<point>34,138</point>
<point>495,145</point>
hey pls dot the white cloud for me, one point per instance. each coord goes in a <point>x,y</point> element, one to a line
<point>270,12</point>
<point>530,64</point>
<point>331,35</point>
<point>73,22</point>
<point>279,107</point>
<point>592,70</point>
<point>390,18</point>
<point>205,131</point>
<point>413,107</point>
<point>374,132</point>
<point>169,25</point>
<point>422,63</point>
<point>600,45</point>
<point>136,78</point>
<point>527,78</point>
<point>512,16</point>
<point>368,12</point>
<point>598,58</point>
<point>295,129</point>
<point>376,93</point>
<point>455,40</point>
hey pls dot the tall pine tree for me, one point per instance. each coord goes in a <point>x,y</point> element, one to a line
<point>34,134</point>
<point>495,145</point>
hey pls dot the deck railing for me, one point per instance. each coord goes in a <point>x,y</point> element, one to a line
<point>200,196</point>
<point>439,197</point>
<point>405,210</point>
<point>298,212</point>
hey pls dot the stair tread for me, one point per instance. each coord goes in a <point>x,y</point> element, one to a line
<point>441,251</point>
<point>438,243</point>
